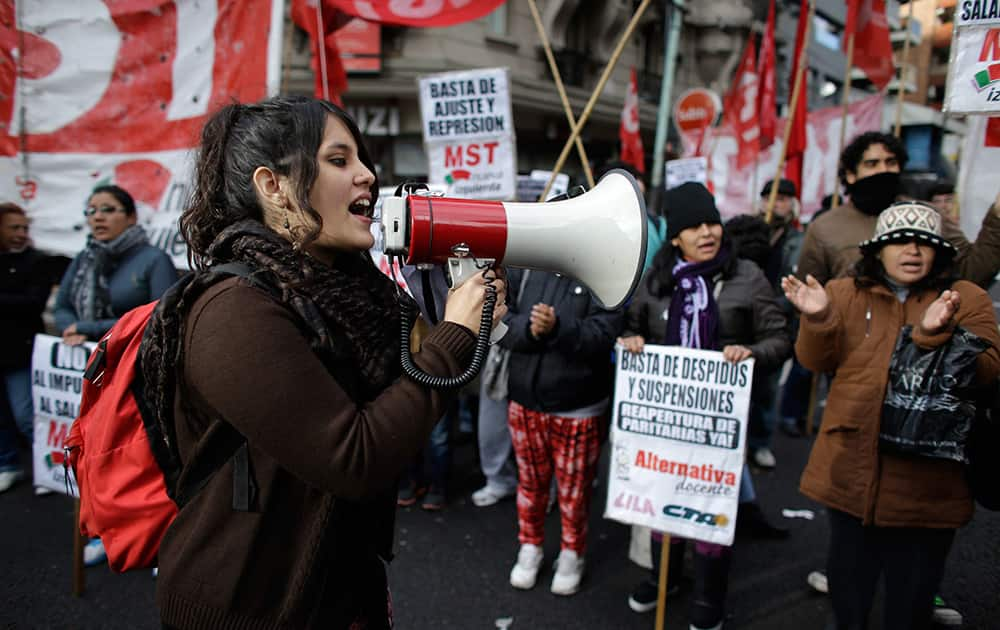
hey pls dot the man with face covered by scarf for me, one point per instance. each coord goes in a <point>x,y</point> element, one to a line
<point>869,171</point>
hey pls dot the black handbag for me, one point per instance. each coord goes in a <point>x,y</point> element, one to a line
<point>929,407</point>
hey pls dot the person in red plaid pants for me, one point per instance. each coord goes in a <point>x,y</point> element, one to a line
<point>559,389</point>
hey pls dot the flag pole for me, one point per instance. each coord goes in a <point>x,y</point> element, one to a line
<point>661,586</point>
<point>321,49</point>
<point>844,103</point>
<point>902,84</point>
<point>792,106</point>
<point>575,131</point>
<point>562,91</point>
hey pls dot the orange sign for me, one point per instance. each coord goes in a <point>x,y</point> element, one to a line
<point>696,110</point>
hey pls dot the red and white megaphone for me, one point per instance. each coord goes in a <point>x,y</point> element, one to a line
<point>598,238</point>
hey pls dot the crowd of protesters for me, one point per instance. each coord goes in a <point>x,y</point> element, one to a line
<point>819,307</point>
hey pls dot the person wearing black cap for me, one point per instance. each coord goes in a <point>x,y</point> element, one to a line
<point>890,514</point>
<point>698,295</point>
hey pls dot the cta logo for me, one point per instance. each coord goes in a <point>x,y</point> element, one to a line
<point>694,516</point>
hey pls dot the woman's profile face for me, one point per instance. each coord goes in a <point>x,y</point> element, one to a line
<point>341,192</point>
<point>700,243</point>
<point>907,263</point>
<point>106,217</point>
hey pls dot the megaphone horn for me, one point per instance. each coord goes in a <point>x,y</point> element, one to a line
<point>598,238</point>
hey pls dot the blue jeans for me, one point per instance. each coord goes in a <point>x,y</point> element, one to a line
<point>16,414</point>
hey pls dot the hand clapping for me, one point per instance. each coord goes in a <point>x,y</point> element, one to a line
<point>808,297</point>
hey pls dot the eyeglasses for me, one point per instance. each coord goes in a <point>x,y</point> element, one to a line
<point>91,210</point>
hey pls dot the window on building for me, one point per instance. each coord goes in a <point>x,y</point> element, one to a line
<point>496,22</point>
<point>825,33</point>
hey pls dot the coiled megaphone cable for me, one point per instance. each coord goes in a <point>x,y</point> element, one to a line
<point>408,314</point>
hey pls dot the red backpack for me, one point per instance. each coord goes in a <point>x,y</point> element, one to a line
<point>126,475</point>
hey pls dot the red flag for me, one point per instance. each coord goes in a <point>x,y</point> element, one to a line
<point>797,136</point>
<point>767,105</point>
<point>739,109</point>
<point>424,14</point>
<point>628,132</point>
<point>323,18</point>
<point>872,47</point>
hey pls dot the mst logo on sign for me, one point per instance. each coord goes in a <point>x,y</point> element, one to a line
<point>694,516</point>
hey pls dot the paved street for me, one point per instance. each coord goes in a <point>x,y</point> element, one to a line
<point>451,570</point>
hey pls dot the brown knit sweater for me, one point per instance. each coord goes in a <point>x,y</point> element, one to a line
<point>290,562</point>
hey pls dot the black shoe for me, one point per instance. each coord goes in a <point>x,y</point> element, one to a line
<point>791,430</point>
<point>750,521</point>
<point>643,598</point>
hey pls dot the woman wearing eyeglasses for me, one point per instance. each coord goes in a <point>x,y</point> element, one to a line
<point>117,271</point>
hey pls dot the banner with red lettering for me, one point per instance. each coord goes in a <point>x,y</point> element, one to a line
<point>117,92</point>
<point>977,184</point>
<point>678,436</point>
<point>418,12</point>
<point>469,133</point>
<point>56,389</point>
<point>737,189</point>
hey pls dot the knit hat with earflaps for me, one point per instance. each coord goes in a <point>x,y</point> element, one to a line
<point>907,221</point>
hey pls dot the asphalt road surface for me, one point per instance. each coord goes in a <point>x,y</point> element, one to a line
<point>452,566</point>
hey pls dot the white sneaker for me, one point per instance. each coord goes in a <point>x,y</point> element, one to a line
<point>945,615</point>
<point>817,580</point>
<point>42,491</point>
<point>718,627</point>
<point>764,458</point>
<point>569,572</point>
<point>525,572</point>
<point>93,553</point>
<point>488,495</point>
<point>10,477</point>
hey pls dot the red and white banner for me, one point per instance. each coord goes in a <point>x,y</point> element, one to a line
<point>872,47</point>
<point>977,183</point>
<point>628,131</point>
<point>737,190</point>
<point>767,105</point>
<point>117,92</point>
<point>739,109</point>
<point>418,12</point>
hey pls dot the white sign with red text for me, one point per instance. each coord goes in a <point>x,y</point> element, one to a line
<point>678,435</point>
<point>56,388</point>
<point>117,93</point>
<point>469,133</point>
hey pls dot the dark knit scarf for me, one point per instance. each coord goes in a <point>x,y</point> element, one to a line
<point>89,287</point>
<point>693,320</point>
<point>350,307</point>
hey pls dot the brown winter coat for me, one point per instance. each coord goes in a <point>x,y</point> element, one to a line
<point>846,471</point>
<point>831,245</point>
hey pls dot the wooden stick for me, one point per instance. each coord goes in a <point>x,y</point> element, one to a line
<point>844,98</point>
<point>902,85</point>
<point>562,91</point>
<point>79,577</point>
<point>661,587</point>
<point>813,401</point>
<point>793,105</point>
<point>596,94</point>
<point>321,49</point>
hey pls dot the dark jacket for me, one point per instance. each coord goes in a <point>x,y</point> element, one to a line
<point>291,562</point>
<point>25,285</point>
<point>142,275</point>
<point>570,367</point>
<point>749,314</point>
<point>855,341</point>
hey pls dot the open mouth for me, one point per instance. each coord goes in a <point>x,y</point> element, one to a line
<point>362,207</point>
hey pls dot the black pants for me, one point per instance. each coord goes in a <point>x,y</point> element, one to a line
<point>911,558</point>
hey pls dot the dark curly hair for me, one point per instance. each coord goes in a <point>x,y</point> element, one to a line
<point>119,193</point>
<point>869,271</point>
<point>282,133</point>
<point>853,152</point>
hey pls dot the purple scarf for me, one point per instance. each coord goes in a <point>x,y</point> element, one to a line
<point>693,319</point>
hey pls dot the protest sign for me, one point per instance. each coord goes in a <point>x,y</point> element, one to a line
<point>530,187</point>
<point>686,170</point>
<point>469,132</point>
<point>973,84</point>
<point>56,387</point>
<point>678,437</point>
